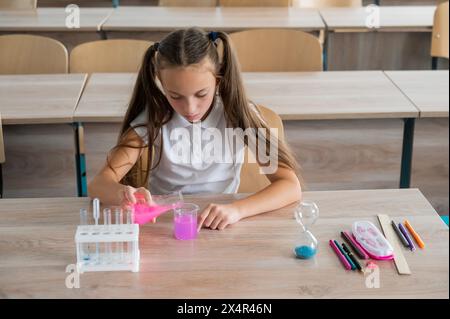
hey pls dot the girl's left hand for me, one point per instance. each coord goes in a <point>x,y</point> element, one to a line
<point>216,216</point>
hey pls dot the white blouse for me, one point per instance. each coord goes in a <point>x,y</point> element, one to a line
<point>196,158</point>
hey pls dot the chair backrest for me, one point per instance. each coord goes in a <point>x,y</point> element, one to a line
<point>251,179</point>
<point>255,3</point>
<point>107,56</point>
<point>439,41</point>
<point>326,3</point>
<point>2,144</point>
<point>187,3</point>
<point>18,4</point>
<point>32,54</point>
<point>277,50</point>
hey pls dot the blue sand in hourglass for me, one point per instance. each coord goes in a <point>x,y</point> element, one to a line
<point>305,252</point>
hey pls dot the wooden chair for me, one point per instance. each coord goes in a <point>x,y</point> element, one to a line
<point>326,3</point>
<point>251,179</point>
<point>2,157</point>
<point>32,54</point>
<point>255,3</point>
<point>18,4</point>
<point>277,50</point>
<point>119,55</point>
<point>439,40</point>
<point>187,3</point>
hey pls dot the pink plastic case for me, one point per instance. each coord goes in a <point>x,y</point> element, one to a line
<point>372,240</point>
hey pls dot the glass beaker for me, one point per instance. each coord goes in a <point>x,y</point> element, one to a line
<point>185,221</point>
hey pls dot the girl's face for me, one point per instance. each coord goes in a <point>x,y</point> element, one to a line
<point>190,90</point>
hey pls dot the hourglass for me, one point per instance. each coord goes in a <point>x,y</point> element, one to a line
<point>306,214</point>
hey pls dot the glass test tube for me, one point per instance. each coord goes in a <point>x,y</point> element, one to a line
<point>130,221</point>
<point>96,214</point>
<point>119,221</point>
<point>84,247</point>
<point>107,222</point>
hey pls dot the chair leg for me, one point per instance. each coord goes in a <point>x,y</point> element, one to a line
<point>323,38</point>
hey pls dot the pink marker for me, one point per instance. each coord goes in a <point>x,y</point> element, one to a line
<point>341,257</point>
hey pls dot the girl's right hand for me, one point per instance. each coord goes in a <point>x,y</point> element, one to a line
<point>130,196</point>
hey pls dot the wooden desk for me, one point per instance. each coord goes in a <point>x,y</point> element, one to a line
<point>410,18</point>
<point>328,95</point>
<point>153,23</point>
<point>293,95</point>
<point>251,259</point>
<point>402,41</point>
<point>407,2</point>
<point>37,113</point>
<point>338,95</point>
<point>361,150</point>
<point>105,98</point>
<point>40,99</point>
<point>429,92</point>
<point>51,22</point>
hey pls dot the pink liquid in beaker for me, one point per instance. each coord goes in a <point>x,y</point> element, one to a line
<point>185,227</point>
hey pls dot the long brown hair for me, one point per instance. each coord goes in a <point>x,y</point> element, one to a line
<point>183,48</point>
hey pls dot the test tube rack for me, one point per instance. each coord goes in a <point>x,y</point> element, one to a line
<point>107,247</point>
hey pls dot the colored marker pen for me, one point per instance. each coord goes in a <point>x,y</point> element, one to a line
<point>341,257</point>
<point>351,256</point>
<point>353,266</point>
<point>399,234</point>
<point>405,233</point>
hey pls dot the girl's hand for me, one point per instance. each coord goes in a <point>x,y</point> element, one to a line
<point>130,196</point>
<point>216,216</point>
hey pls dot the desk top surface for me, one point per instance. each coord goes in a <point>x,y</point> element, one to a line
<point>211,18</point>
<point>428,90</point>
<point>251,259</point>
<point>38,99</point>
<point>52,19</point>
<point>395,17</point>
<point>294,96</point>
<point>129,18</point>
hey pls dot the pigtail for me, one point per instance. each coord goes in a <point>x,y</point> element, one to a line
<point>146,95</point>
<point>138,100</point>
<point>241,115</point>
<point>231,84</point>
